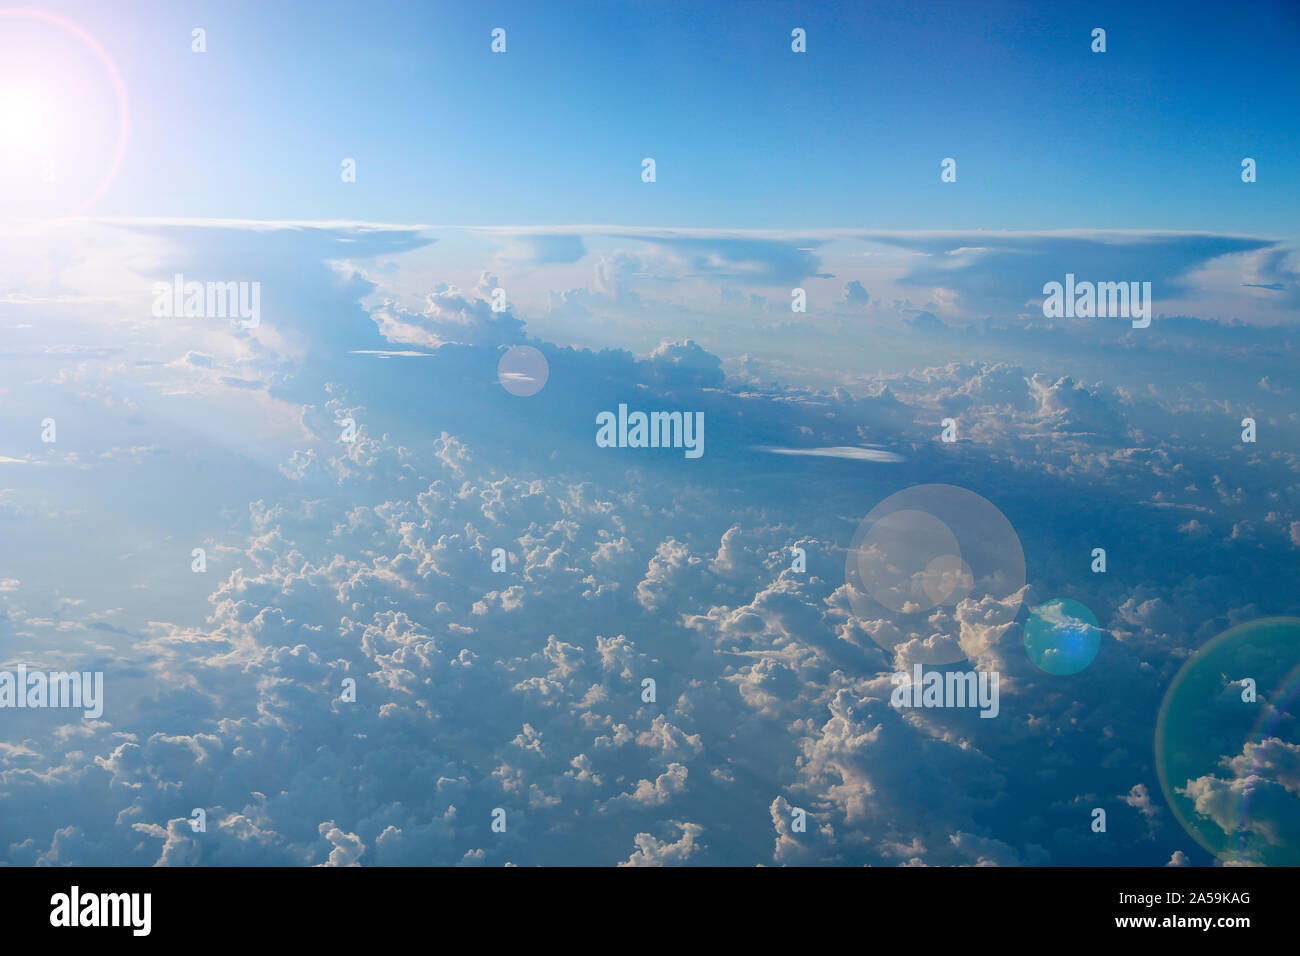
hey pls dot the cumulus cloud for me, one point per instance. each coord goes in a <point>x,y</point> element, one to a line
<point>526,689</point>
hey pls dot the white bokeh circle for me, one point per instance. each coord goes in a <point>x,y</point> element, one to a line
<point>923,555</point>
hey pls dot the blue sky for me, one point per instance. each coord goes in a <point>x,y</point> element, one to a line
<point>517,177</point>
<point>1047,134</point>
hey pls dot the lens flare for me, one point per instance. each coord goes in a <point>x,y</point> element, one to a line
<point>63,120</point>
<point>1228,744</point>
<point>921,554</point>
<point>1062,637</point>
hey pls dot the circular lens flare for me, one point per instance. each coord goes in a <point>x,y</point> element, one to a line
<point>52,99</point>
<point>921,553</point>
<point>1228,744</point>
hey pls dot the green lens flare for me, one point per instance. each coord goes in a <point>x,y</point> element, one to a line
<point>1229,765</point>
